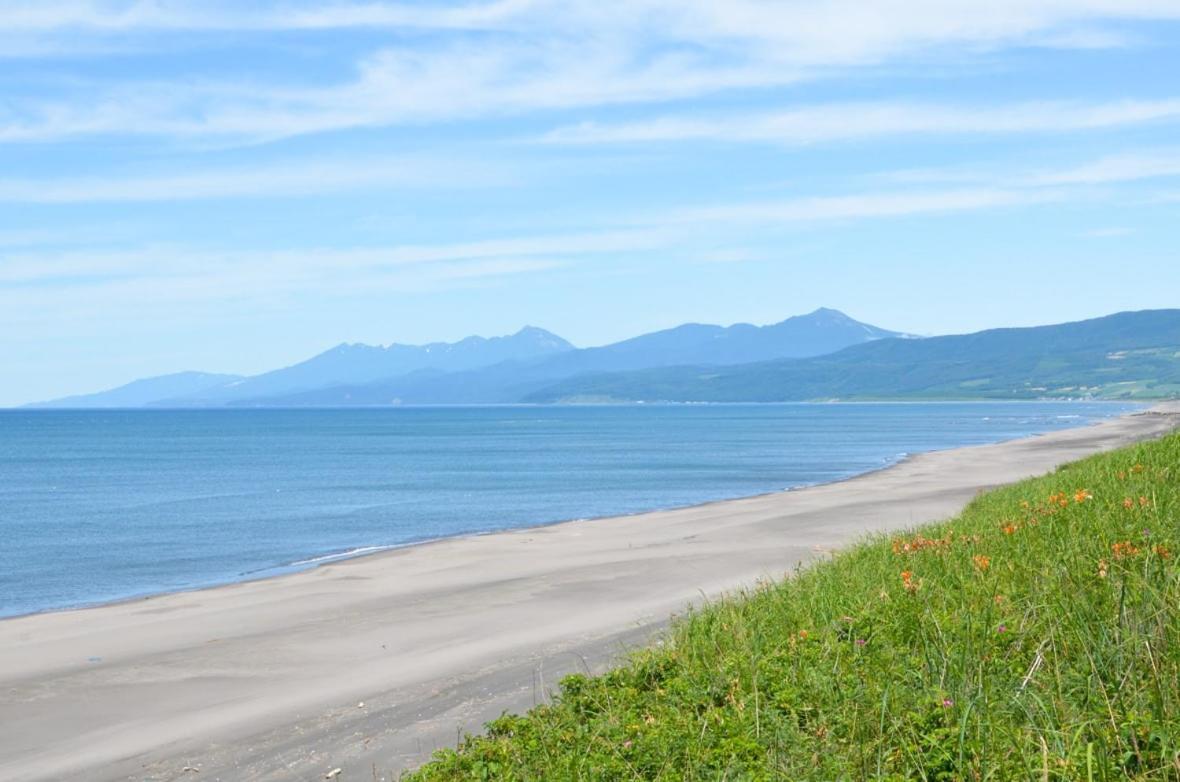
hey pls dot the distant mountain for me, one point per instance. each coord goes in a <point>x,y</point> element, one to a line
<point>822,355</point>
<point>817,333</point>
<point>342,365</point>
<point>352,364</point>
<point>1124,356</point>
<point>814,334</point>
<point>146,391</point>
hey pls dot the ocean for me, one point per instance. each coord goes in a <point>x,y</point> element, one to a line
<point>98,506</point>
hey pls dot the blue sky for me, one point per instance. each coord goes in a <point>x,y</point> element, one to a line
<point>234,186</point>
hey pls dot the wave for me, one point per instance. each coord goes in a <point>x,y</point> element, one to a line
<point>349,554</point>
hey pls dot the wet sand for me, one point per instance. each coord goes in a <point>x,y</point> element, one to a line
<point>374,662</point>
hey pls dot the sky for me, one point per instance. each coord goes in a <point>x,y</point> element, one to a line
<point>232,187</point>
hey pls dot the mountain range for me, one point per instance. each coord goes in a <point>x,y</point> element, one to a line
<point>1129,355</point>
<point>824,354</point>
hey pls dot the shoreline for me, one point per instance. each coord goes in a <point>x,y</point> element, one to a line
<point>311,562</point>
<point>379,659</point>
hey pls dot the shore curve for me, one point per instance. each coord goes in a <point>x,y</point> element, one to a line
<point>370,663</point>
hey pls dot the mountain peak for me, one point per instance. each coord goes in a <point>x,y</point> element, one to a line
<point>544,337</point>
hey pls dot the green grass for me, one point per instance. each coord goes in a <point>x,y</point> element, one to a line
<point>1035,636</point>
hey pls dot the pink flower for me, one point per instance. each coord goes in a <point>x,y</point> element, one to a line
<point>947,703</point>
<point>1002,629</point>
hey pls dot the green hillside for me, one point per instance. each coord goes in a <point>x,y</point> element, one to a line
<point>1130,355</point>
<point>1036,636</point>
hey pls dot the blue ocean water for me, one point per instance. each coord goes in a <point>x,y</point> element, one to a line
<point>103,505</point>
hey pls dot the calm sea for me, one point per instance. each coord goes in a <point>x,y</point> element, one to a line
<point>97,506</point>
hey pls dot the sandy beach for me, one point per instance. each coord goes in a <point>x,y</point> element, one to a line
<point>374,662</point>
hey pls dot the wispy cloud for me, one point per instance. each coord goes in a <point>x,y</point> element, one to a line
<point>1134,166</point>
<point>835,25</point>
<point>642,233</point>
<point>323,270</point>
<point>864,206</point>
<point>292,178</point>
<point>392,87</point>
<point>211,15</point>
<point>530,56</point>
<point>854,121</point>
<point>1131,166</point>
<point>315,267</point>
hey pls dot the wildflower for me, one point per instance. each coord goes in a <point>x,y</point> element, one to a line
<point>861,642</point>
<point>1081,495</point>
<point>1137,468</point>
<point>1124,549</point>
<point>999,599</point>
<point>908,582</point>
<point>1144,502</point>
<point>1161,552</point>
<point>627,744</point>
<point>1009,528</point>
<point>1128,503</point>
<point>982,562</point>
<point>803,635</point>
<point>921,543</point>
<point>1102,565</point>
<point>1003,628</point>
<point>947,703</point>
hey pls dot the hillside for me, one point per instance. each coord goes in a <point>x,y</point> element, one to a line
<point>145,391</point>
<point>1128,355</point>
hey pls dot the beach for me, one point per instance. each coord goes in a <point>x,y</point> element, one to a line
<point>371,663</point>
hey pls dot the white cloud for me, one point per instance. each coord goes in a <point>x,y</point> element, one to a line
<point>1152,164</point>
<point>322,266</point>
<point>392,87</point>
<point>852,121</point>
<point>836,26</point>
<point>864,206</point>
<point>210,15</point>
<point>289,179</point>
<point>324,270</point>
<point>1140,165</point>
<point>528,56</point>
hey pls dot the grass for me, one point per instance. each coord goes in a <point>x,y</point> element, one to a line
<point>1035,636</point>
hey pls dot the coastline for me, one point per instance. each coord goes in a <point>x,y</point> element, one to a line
<point>248,678</point>
<point>324,558</point>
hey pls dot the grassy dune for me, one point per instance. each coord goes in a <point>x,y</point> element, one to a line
<point>1035,636</point>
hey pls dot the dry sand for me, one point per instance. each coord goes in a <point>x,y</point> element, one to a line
<point>376,661</point>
